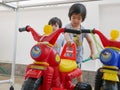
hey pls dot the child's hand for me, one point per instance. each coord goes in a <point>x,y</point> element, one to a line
<point>79,65</point>
<point>69,43</point>
<point>93,57</point>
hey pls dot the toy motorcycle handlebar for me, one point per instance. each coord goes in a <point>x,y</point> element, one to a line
<point>51,38</point>
<point>78,31</point>
<point>23,29</point>
<point>27,28</point>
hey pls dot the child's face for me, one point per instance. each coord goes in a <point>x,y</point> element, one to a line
<point>55,27</point>
<point>76,20</point>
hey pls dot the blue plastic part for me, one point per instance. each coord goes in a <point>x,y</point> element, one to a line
<point>109,57</point>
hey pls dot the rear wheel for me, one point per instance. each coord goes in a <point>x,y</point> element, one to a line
<point>98,80</point>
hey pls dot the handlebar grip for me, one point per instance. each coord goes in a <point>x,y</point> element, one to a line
<point>72,31</point>
<point>86,31</point>
<point>78,31</point>
<point>23,29</point>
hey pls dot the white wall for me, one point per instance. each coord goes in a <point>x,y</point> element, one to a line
<point>7,27</point>
<point>37,18</point>
<point>109,18</point>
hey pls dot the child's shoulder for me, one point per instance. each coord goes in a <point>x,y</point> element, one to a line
<point>82,27</point>
<point>68,25</point>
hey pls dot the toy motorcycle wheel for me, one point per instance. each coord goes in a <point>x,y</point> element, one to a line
<point>38,83</point>
<point>98,80</point>
<point>28,84</point>
<point>119,82</point>
<point>83,86</point>
<point>31,84</point>
<point>109,85</point>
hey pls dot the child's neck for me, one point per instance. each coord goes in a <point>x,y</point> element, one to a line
<point>78,27</point>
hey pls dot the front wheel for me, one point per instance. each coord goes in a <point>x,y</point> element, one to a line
<point>98,79</point>
<point>109,85</point>
<point>119,82</point>
<point>28,84</point>
<point>38,83</point>
<point>32,84</point>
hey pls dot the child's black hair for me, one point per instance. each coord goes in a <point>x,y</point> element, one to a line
<point>55,20</point>
<point>77,9</point>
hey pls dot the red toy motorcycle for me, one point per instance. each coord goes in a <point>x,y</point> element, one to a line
<point>50,71</point>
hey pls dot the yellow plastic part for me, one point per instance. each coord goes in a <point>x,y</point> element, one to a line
<point>67,65</point>
<point>111,67</point>
<point>44,63</point>
<point>57,58</point>
<point>38,67</point>
<point>110,77</point>
<point>114,34</point>
<point>48,29</point>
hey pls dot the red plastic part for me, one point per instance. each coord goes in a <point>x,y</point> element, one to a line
<point>69,52</point>
<point>41,38</point>
<point>47,55</point>
<point>106,42</point>
<point>47,80</point>
<point>33,73</point>
<point>35,35</point>
<point>58,89</point>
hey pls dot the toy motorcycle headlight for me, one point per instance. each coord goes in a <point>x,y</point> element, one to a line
<point>109,57</point>
<point>36,52</point>
<point>106,55</point>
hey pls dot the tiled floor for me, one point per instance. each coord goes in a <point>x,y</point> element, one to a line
<point>17,85</point>
<point>6,86</point>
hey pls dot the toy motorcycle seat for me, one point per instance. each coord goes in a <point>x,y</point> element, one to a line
<point>68,58</point>
<point>67,65</point>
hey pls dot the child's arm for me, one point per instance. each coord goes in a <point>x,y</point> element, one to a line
<point>91,45</point>
<point>68,39</point>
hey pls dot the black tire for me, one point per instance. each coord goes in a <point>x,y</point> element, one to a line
<point>83,86</point>
<point>32,83</point>
<point>98,80</point>
<point>119,82</point>
<point>11,88</point>
<point>28,84</point>
<point>109,85</point>
<point>38,83</point>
